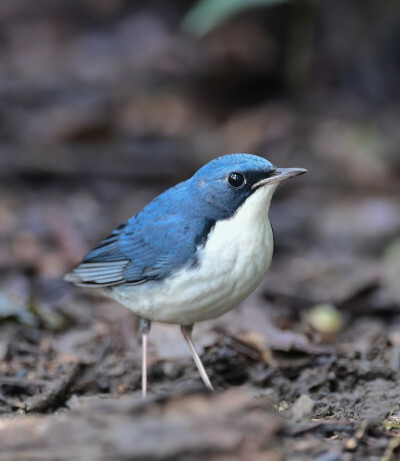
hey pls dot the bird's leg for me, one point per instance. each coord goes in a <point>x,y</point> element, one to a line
<point>144,327</point>
<point>187,334</point>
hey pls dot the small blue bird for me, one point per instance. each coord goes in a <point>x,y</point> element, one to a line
<point>192,253</point>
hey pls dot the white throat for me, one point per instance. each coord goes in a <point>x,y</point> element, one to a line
<point>256,207</point>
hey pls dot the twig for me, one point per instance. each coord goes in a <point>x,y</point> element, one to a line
<point>352,443</point>
<point>320,428</point>
<point>55,394</point>
<point>21,382</point>
<point>392,446</point>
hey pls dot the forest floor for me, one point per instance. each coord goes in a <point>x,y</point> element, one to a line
<point>287,385</point>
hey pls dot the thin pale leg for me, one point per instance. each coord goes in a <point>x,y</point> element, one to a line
<point>144,327</point>
<point>187,334</point>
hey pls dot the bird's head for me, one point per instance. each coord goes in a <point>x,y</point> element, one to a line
<point>227,182</point>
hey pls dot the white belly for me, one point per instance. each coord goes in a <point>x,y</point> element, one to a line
<point>231,265</point>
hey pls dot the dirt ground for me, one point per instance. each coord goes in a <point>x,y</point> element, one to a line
<point>289,385</point>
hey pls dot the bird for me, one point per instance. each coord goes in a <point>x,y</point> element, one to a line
<point>194,252</point>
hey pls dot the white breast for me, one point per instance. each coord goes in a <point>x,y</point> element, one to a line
<point>234,260</point>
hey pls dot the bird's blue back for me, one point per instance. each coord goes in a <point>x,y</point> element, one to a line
<point>164,235</point>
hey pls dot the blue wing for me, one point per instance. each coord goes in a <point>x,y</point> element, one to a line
<point>164,236</point>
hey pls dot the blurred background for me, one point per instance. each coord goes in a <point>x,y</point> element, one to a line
<point>105,103</point>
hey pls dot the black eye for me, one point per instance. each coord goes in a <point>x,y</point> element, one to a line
<point>236,180</point>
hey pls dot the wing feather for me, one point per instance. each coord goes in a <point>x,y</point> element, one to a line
<point>151,245</point>
<point>92,274</point>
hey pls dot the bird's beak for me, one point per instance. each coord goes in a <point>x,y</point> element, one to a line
<point>280,174</point>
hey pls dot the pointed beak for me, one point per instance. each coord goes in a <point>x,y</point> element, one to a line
<point>280,174</point>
